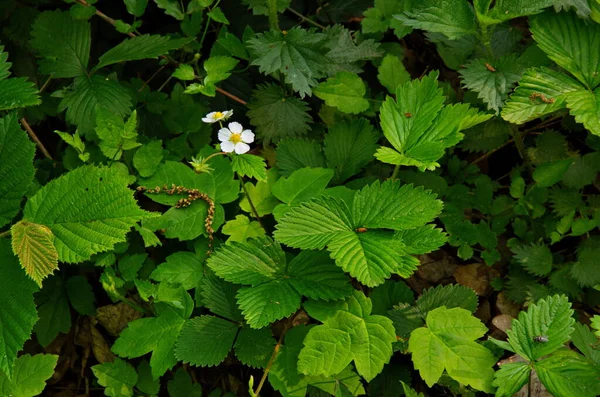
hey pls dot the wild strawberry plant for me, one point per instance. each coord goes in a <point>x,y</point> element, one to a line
<point>276,197</point>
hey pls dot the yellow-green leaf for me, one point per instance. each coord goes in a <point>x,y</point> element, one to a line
<point>34,245</point>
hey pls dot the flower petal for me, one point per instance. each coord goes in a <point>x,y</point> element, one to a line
<point>241,148</point>
<point>247,136</point>
<point>207,120</point>
<point>235,127</point>
<point>227,146</point>
<point>224,134</point>
<point>227,114</point>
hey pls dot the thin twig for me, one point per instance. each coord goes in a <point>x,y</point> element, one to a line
<point>231,96</point>
<point>45,85</point>
<point>152,77</point>
<point>488,154</point>
<point>35,138</point>
<point>305,19</point>
<point>5,234</point>
<point>103,16</point>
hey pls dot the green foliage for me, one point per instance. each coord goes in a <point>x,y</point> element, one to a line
<point>118,377</point>
<point>15,92</point>
<point>29,376</point>
<point>345,91</point>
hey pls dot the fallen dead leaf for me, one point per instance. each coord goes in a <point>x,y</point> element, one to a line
<point>114,318</point>
<point>477,277</point>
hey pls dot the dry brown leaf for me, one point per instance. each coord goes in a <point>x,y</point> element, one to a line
<point>477,277</point>
<point>114,318</point>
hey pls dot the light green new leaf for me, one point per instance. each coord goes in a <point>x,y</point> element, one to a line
<point>250,165</point>
<point>184,72</point>
<point>301,185</point>
<point>263,200</point>
<point>540,91</point>
<point>139,47</point>
<point>76,143</point>
<point>205,341</point>
<point>147,158</point>
<point>448,342</point>
<point>511,378</point>
<point>34,245</point>
<point>350,335</point>
<point>550,317</point>
<point>29,376</point>
<point>118,377</point>
<point>184,268</point>
<point>571,44</point>
<point>62,43</point>
<point>15,92</point>
<point>568,374</point>
<point>349,146</point>
<point>115,134</point>
<point>88,210</point>
<point>453,18</point>
<point>585,107</point>
<point>276,115</point>
<point>16,167</point>
<point>344,91</point>
<point>17,312</point>
<point>90,93</point>
<point>241,228</point>
<point>392,73</point>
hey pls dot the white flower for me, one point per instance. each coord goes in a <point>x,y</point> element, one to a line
<point>213,117</point>
<point>235,138</point>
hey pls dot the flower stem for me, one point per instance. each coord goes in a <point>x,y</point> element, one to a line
<point>252,207</point>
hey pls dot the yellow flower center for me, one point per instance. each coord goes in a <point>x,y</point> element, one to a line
<point>219,115</point>
<point>235,138</point>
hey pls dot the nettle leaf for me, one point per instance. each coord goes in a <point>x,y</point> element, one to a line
<point>273,287</point>
<point>492,80</point>
<point>115,134</point>
<point>277,115</point>
<point>118,378</point>
<point>241,228</point>
<point>16,167</point>
<point>419,126</point>
<point>536,258</point>
<point>34,245</point>
<point>250,165</point>
<point>17,312</point>
<point>453,18</point>
<point>448,342</point>
<point>504,10</point>
<point>551,318</point>
<point>349,146</point>
<point>15,92</point>
<point>349,335</point>
<point>585,271</point>
<point>29,376</point>
<point>293,154</point>
<point>139,47</point>
<point>345,91</point>
<point>88,210</point>
<point>345,52</point>
<point>369,255</point>
<point>62,43</point>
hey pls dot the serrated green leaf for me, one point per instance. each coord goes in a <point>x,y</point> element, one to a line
<point>115,134</point>
<point>254,347</point>
<point>88,210</point>
<point>146,383</point>
<point>392,73</point>
<point>349,146</point>
<point>293,154</point>
<point>389,294</point>
<point>16,167</point>
<point>15,92</point>
<point>277,115</point>
<point>585,107</point>
<point>250,165</point>
<point>422,240</point>
<point>241,228</point>
<point>585,271</point>
<point>448,342</point>
<point>182,267</point>
<point>568,374</point>
<point>181,385</point>
<point>536,258</point>
<point>147,158</point>
<point>344,91</point>
<point>217,15</point>
<point>547,174</point>
<point>449,296</point>
<point>34,245</point>
<point>346,52</point>
<point>585,340</point>
<point>453,18</point>
<point>511,378</point>
<point>136,7</point>
<point>62,42</point>
<point>582,7</point>
<point>509,9</point>
<point>219,296</point>
<point>380,18</point>
<point>263,200</point>
<point>205,341</point>
<point>118,377</point>
<point>17,313</point>
<point>487,136</point>
<point>552,318</point>
<point>29,376</point>
<point>172,8</point>
<point>301,185</point>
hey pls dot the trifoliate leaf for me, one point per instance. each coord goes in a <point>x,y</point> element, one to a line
<point>276,115</point>
<point>139,47</point>
<point>118,377</point>
<point>181,385</point>
<point>349,146</point>
<point>88,210</point>
<point>568,374</point>
<point>392,73</point>
<point>17,313</point>
<point>115,134</point>
<point>205,341</point>
<point>16,167</point>
<point>297,53</point>
<point>90,93</point>
<point>451,334</point>
<point>293,154</point>
<point>34,245</point>
<point>147,158</point>
<point>569,43</point>
<point>350,335</point>
<point>250,165</point>
<point>218,295</point>
<point>344,91</point>
<point>419,126</point>
<point>184,268</point>
<point>550,317</point>
<point>53,310</point>
<point>254,347</point>
<point>492,80</point>
<point>453,18</point>
<point>76,143</point>
<point>585,107</point>
<point>509,9</point>
<point>275,288</point>
<point>511,378</point>
<point>29,376</point>
<point>156,335</point>
<point>536,259</point>
<point>15,92</point>
<point>241,228</point>
<point>218,68</point>
<point>62,43</point>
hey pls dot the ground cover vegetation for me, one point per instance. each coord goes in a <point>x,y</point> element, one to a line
<point>299,197</point>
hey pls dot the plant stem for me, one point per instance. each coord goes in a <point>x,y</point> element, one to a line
<point>5,234</point>
<point>35,138</point>
<point>152,77</point>
<point>395,172</point>
<point>45,85</point>
<point>488,154</point>
<point>252,207</point>
<point>305,19</point>
<point>103,16</point>
<point>273,17</point>
<point>231,96</point>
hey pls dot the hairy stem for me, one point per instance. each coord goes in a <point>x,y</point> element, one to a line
<point>273,17</point>
<point>35,138</point>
